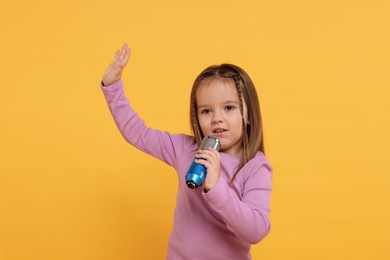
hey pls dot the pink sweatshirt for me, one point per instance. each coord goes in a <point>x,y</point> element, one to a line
<point>220,224</point>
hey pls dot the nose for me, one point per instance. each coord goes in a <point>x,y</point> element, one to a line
<point>217,117</point>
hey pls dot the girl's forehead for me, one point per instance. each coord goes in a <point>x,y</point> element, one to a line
<point>218,85</point>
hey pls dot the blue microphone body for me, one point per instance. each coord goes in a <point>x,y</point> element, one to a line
<point>195,175</point>
<point>197,172</point>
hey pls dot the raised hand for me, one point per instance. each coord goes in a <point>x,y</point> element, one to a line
<point>115,69</point>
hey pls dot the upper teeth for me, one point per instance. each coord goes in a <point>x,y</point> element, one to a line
<point>218,130</point>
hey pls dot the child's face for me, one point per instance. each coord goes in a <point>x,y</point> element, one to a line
<point>219,114</point>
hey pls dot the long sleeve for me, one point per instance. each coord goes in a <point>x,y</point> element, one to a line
<point>248,216</point>
<point>156,143</point>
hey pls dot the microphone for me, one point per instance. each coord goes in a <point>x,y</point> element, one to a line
<point>197,172</point>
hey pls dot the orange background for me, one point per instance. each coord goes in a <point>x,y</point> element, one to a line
<point>71,188</point>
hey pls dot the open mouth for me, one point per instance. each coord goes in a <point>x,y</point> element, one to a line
<point>219,130</point>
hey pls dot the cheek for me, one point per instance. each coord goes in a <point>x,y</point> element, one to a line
<point>202,123</point>
<point>204,127</point>
<point>240,131</point>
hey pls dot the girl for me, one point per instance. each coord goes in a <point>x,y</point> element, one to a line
<point>231,211</point>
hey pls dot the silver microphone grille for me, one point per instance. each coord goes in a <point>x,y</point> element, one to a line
<point>210,141</point>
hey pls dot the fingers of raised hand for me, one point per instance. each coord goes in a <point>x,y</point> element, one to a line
<point>124,48</point>
<point>123,55</point>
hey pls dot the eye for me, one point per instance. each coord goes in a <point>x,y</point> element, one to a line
<point>205,111</point>
<point>229,107</point>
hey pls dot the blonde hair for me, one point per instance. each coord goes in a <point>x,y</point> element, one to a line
<point>252,139</point>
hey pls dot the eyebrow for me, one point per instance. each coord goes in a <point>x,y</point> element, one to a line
<point>225,103</point>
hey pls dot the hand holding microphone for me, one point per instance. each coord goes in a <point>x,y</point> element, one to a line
<point>207,161</point>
